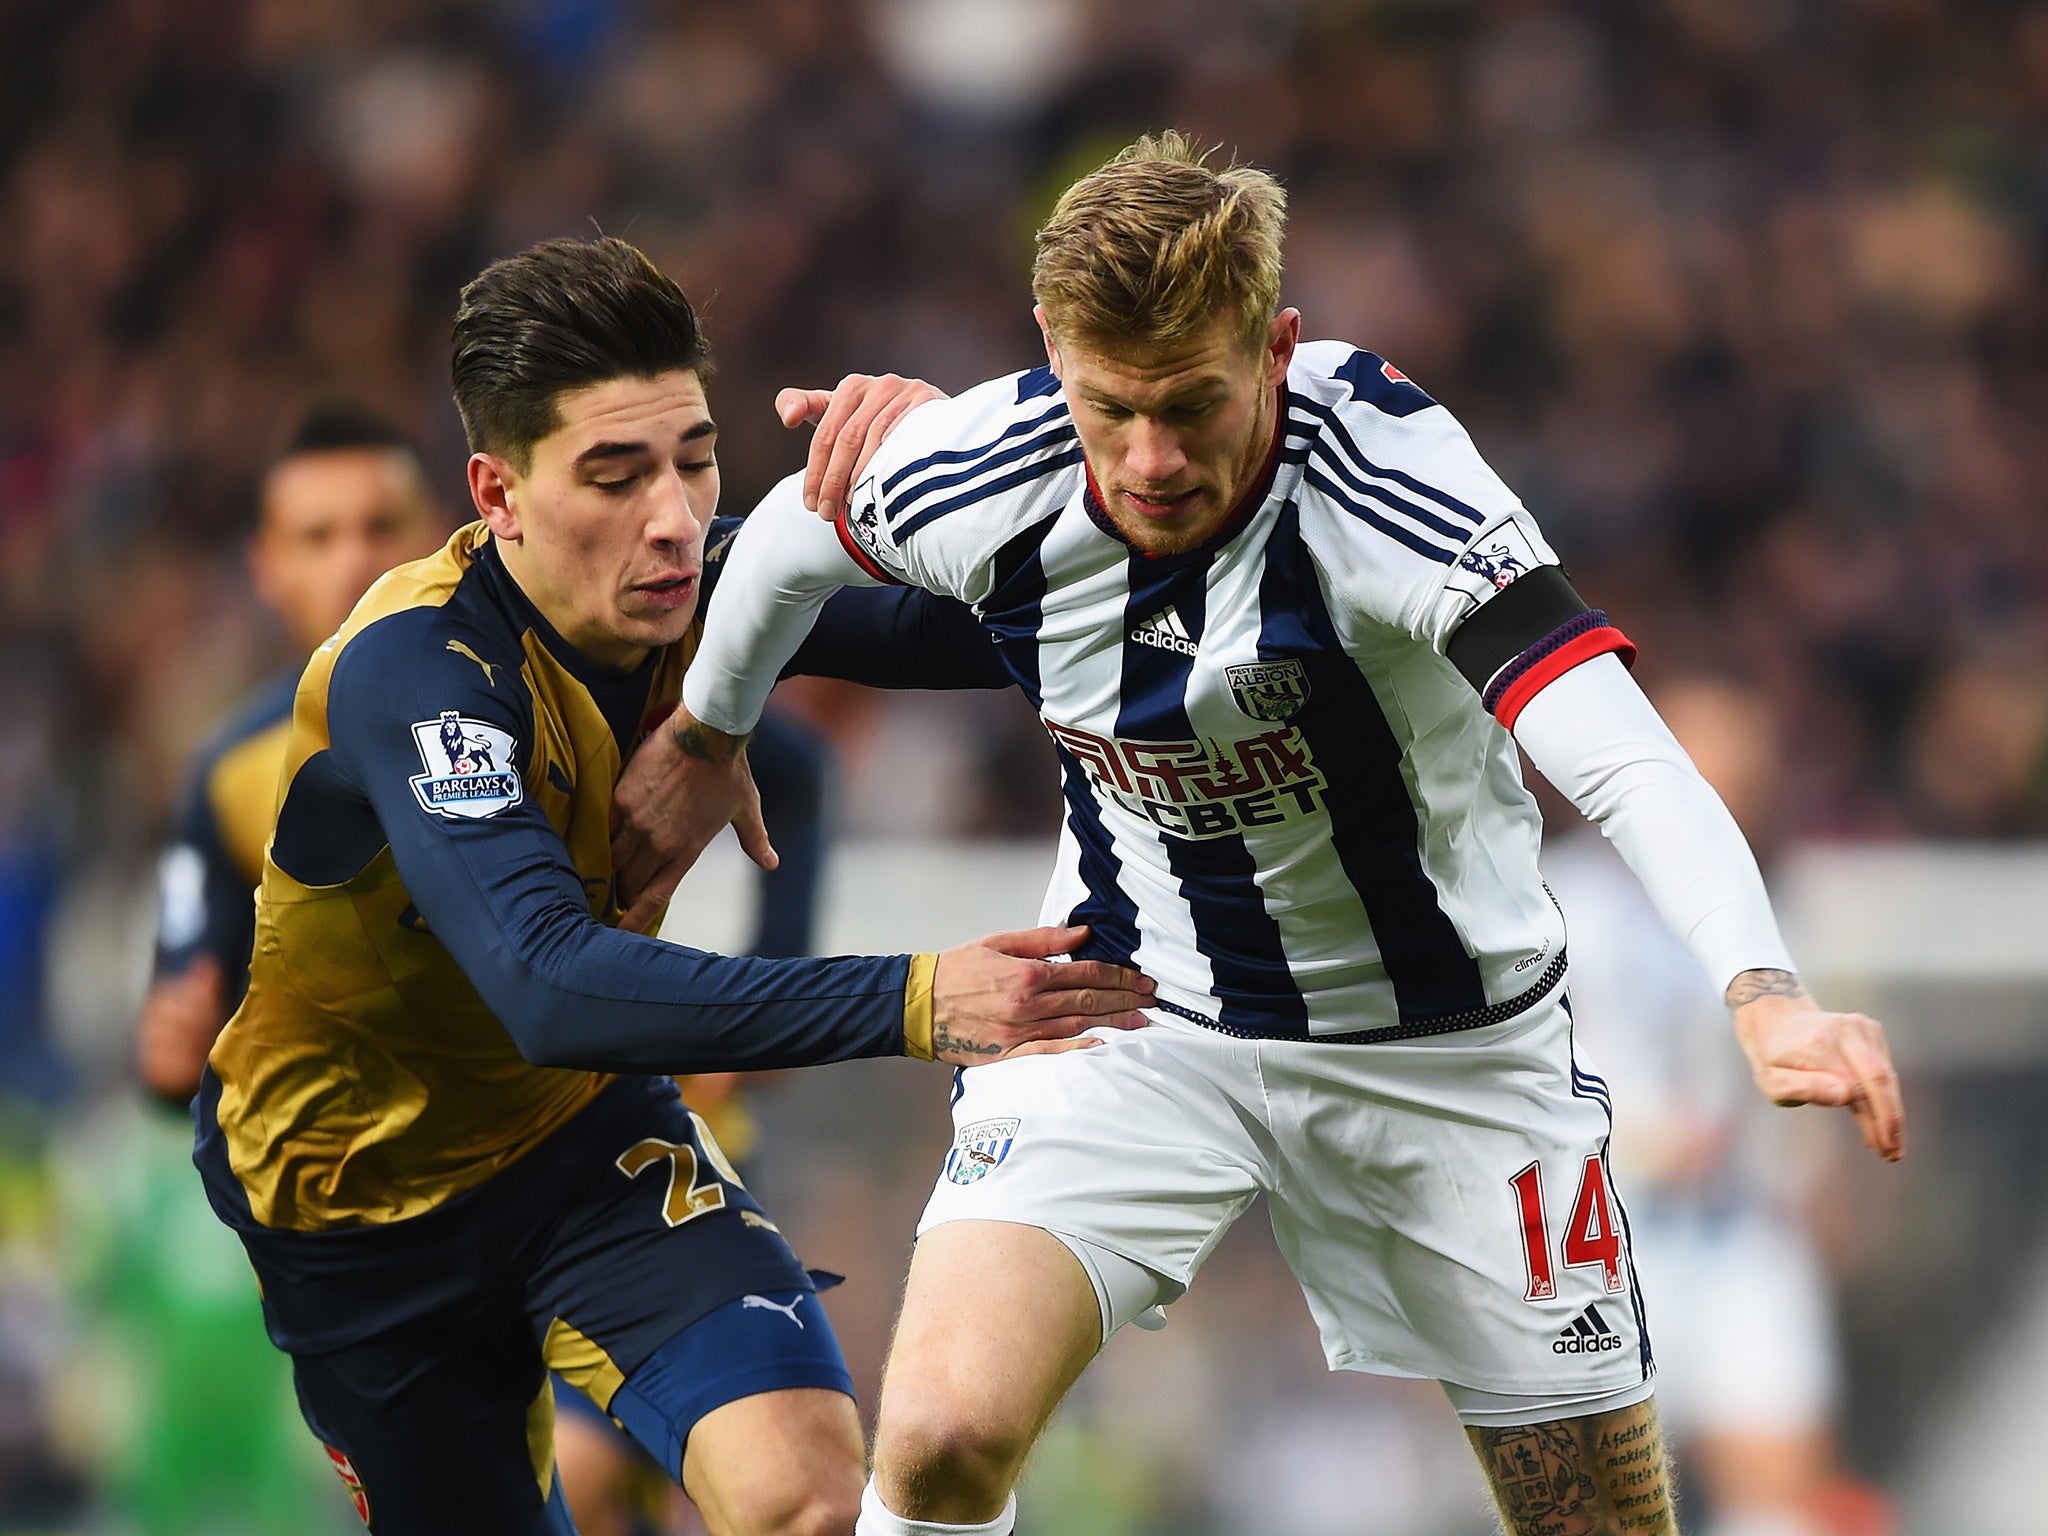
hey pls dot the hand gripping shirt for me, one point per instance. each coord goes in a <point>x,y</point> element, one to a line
<point>1290,795</point>
<point>436,986</point>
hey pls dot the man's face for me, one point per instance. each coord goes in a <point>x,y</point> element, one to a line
<point>1174,436</point>
<point>604,530</point>
<point>332,523</point>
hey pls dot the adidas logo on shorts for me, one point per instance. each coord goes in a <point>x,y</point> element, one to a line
<point>1164,632</point>
<point>1588,1335</point>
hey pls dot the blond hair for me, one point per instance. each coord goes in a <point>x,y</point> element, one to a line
<point>1153,246</point>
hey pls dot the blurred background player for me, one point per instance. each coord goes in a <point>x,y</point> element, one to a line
<point>1746,1340</point>
<point>345,501</point>
<point>214,1448</point>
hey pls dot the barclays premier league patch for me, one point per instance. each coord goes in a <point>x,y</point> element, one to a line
<point>1496,558</point>
<point>979,1149</point>
<point>863,522</point>
<point>470,770</point>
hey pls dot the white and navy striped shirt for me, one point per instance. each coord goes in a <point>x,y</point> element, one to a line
<point>1284,802</point>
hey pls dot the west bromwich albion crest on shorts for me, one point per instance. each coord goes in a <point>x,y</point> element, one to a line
<point>470,772</point>
<point>979,1148</point>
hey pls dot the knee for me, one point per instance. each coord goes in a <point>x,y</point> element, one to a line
<point>827,1506</point>
<point>821,1515</point>
<point>934,1462</point>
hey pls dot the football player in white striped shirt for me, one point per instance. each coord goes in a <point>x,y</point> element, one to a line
<point>1284,627</point>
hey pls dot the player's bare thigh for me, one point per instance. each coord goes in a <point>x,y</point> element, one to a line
<point>596,1465</point>
<point>999,1320</point>
<point>782,1463</point>
<point>1602,1475</point>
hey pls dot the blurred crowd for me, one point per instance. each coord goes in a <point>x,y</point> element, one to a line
<point>1747,298</point>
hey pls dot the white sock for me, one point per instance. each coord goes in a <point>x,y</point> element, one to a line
<point>875,1520</point>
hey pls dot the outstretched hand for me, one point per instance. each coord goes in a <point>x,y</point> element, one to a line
<point>852,421</point>
<point>684,785</point>
<point>1800,1053</point>
<point>1001,997</point>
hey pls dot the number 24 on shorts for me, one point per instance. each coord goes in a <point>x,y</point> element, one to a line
<point>1590,1237</point>
<point>688,1198</point>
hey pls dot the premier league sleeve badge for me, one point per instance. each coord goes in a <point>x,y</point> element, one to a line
<point>471,772</point>
<point>1494,561</point>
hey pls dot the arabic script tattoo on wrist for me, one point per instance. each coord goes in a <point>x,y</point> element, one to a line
<point>1751,985</point>
<point>945,1043</point>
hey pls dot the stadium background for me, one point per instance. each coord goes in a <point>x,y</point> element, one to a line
<point>1745,297</point>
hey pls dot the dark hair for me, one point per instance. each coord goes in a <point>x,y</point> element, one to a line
<point>330,426</point>
<point>334,425</point>
<point>558,316</point>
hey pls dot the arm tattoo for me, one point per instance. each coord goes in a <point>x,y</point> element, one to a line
<point>705,744</point>
<point>1598,1476</point>
<point>945,1042</point>
<point>1751,985</point>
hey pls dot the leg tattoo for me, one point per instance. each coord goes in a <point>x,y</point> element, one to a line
<point>1604,1475</point>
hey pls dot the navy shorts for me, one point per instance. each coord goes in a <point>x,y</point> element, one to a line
<point>616,1253</point>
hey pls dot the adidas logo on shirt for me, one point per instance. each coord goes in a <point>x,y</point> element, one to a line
<point>1588,1335</point>
<point>1165,632</point>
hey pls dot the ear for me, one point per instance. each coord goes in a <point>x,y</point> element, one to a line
<point>493,487</point>
<point>1052,348</point>
<point>1282,337</point>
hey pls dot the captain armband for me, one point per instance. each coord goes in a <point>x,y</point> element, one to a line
<point>1533,632</point>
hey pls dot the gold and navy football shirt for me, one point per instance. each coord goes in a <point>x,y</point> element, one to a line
<point>436,983</point>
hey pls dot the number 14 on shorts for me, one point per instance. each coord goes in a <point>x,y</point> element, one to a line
<point>1590,1237</point>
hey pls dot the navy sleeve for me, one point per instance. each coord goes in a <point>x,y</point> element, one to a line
<point>792,764</point>
<point>206,905</point>
<point>494,883</point>
<point>899,637</point>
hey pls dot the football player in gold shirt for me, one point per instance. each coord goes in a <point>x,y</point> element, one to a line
<point>440,1120</point>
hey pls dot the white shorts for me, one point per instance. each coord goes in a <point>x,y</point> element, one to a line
<point>1444,1202</point>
